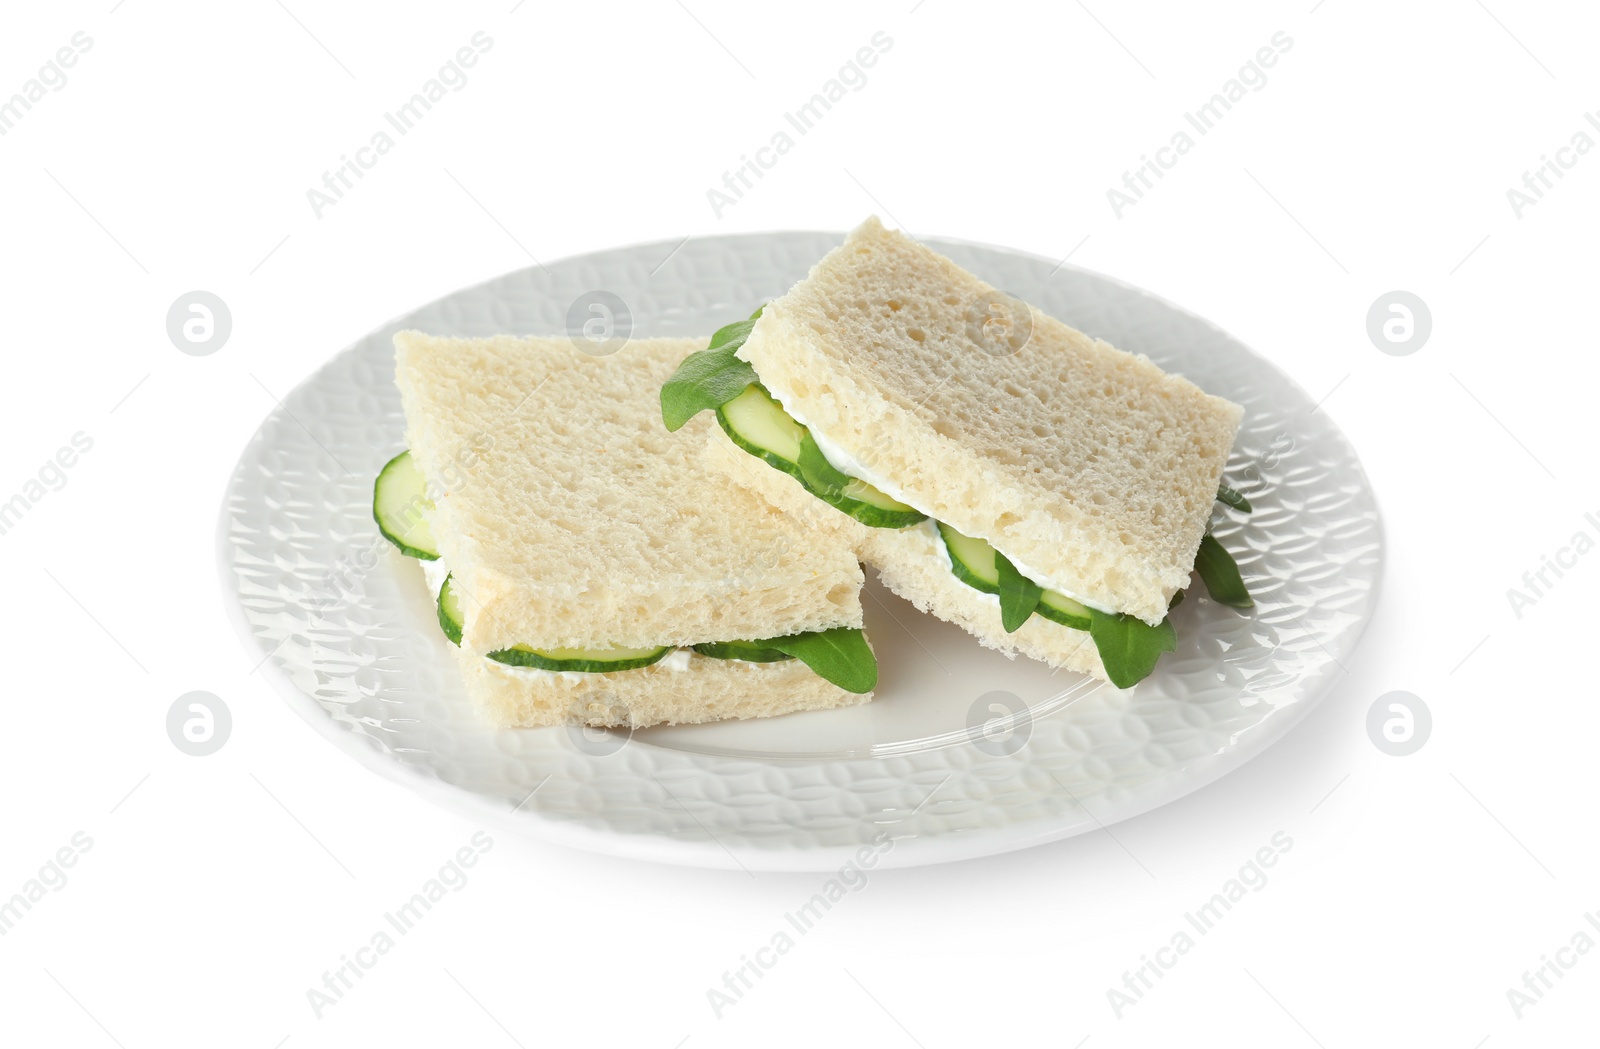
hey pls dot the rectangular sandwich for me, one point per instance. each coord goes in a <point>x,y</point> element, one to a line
<point>592,568</point>
<point>999,469</point>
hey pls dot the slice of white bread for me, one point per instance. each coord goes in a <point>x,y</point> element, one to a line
<point>709,690</point>
<point>573,519</point>
<point>1092,469</point>
<point>912,563</point>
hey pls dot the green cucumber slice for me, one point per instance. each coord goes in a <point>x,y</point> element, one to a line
<point>760,426</point>
<point>876,507</point>
<point>400,505</point>
<point>1059,608</point>
<point>757,423</point>
<point>580,660</point>
<point>450,611</point>
<point>972,560</point>
<point>748,651</point>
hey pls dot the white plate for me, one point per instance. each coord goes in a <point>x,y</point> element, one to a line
<point>930,768</point>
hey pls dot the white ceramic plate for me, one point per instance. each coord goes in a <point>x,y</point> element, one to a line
<point>962,754</point>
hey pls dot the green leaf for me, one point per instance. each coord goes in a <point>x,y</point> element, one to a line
<point>1019,595</point>
<point>734,334</point>
<point>819,475</point>
<point>840,655</point>
<point>708,378</point>
<point>1177,599</point>
<point>1233,498</point>
<point>1129,647</point>
<point>1220,573</point>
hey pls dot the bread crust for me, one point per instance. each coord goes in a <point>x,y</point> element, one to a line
<point>709,690</point>
<point>570,517</point>
<point>1090,468</point>
<point>911,563</point>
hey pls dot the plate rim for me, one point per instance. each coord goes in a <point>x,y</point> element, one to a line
<point>907,852</point>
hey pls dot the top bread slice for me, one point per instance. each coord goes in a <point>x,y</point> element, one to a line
<point>1091,469</point>
<point>570,518</point>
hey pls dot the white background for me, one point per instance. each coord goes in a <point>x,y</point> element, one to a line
<point>1377,156</point>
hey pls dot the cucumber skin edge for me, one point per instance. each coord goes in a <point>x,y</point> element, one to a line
<point>867,514</point>
<point>966,575</point>
<point>451,628</point>
<point>1074,622</point>
<point>512,657</point>
<point>401,545</point>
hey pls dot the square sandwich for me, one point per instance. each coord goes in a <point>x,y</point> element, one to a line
<point>593,568</point>
<point>998,468</point>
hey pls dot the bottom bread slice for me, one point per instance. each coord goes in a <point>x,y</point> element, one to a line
<point>913,564</point>
<point>709,690</point>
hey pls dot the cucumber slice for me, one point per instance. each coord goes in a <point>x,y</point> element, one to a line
<point>748,651</point>
<point>400,505</point>
<point>1059,608</point>
<point>450,611</point>
<point>757,423</point>
<point>871,506</point>
<point>883,506</point>
<point>580,660</point>
<point>760,426</point>
<point>972,561</point>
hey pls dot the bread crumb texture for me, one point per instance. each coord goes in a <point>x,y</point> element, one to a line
<point>1089,465</point>
<point>570,517</point>
<point>710,690</point>
<point>910,563</point>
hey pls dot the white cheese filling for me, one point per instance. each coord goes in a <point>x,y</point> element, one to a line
<point>846,463</point>
<point>931,527</point>
<point>435,572</point>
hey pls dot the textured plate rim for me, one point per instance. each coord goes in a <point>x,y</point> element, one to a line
<point>1195,775</point>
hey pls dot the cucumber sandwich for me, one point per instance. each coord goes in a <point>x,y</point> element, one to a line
<point>1040,488</point>
<point>591,569</point>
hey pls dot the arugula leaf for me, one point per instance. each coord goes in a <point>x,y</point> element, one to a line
<point>734,334</point>
<point>1019,595</point>
<point>708,378</point>
<point>819,475</point>
<point>840,655</point>
<point>1220,573</point>
<point>1129,647</point>
<point>1231,497</point>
